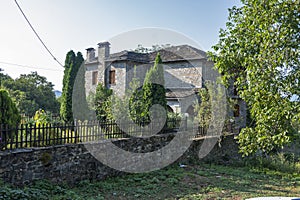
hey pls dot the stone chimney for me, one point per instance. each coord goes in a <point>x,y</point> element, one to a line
<point>103,54</point>
<point>103,51</point>
<point>90,54</point>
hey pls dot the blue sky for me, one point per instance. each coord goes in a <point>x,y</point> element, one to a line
<point>76,24</point>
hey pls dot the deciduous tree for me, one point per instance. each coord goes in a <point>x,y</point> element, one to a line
<point>31,92</point>
<point>259,51</point>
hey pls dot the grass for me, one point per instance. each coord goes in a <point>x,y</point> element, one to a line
<point>200,181</point>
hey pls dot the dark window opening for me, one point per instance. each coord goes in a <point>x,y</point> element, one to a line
<point>112,77</point>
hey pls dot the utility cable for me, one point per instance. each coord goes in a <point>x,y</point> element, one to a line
<point>37,35</point>
<point>26,66</point>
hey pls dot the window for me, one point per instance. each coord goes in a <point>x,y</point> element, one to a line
<point>95,77</point>
<point>112,77</point>
<point>236,111</point>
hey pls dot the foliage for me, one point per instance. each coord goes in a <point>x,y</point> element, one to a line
<point>132,105</point>
<point>153,90</point>
<point>31,92</point>
<point>203,108</point>
<point>211,111</point>
<point>281,162</point>
<point>192,182</point>
<point>72,65</point>
<point>41,117</point>
<point>119,108</point>
<point>259,50</point>
<point>141,49</point>
<point>80,105</point>
<point>9,114</point>
<point>4,78</point>
<point>102,102</point>
<point>136,103</point>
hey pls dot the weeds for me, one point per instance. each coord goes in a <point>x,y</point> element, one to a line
<point>199,181</point>
<point>287,163</point>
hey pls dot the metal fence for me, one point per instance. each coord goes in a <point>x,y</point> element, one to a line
<point>28,135</point>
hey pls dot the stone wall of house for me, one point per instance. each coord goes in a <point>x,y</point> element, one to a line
<point>72,163</point>
<point>89,69</point>
<point>177,74</point>
<point>120,77</point>
<point>183,74</point>
<point>136,70</point>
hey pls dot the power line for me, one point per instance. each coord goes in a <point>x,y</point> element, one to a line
<point>37,34</point>
<point>26,66</point>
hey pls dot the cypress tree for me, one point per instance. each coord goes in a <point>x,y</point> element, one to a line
<point>153,89</point>
<point>72,65</point>
<point>9,113</point>
<point>80,107</point>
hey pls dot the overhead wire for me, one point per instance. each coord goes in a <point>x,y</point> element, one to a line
<point>26,66</point>
<point>37,35</point>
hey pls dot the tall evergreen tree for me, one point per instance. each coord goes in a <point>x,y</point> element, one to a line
<point>9,113</point>
<point>72,65</point>
<point>80,106</point>
<point>153,89</point>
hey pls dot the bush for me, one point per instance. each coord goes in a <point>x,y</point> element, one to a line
<point>9,113</point>
<point>281,162</point>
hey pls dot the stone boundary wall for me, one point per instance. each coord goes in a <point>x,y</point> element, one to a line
<point>72,163</point>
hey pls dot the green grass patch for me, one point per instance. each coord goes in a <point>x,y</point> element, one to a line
<point>201,181</point>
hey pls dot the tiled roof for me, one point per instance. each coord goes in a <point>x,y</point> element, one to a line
<point>174,53</point>
<point>129,55</point>
<point>179,93</point>
<point>182,52</point>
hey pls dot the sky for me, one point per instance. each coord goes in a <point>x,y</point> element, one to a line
<point>66,25</point>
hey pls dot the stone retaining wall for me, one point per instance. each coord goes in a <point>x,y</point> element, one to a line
<point>72,163</point>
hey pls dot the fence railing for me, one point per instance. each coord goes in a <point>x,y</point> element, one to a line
<point>28,135</point>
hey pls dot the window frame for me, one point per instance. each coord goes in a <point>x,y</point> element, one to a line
<point>112,77</point>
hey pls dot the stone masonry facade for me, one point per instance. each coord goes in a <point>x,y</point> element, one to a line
<point>186,69</point>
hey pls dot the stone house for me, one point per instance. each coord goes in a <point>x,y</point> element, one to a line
<point>186,69</point>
